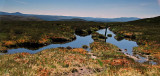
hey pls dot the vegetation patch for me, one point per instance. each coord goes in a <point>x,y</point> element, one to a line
<point>106,50</point>
<point>109,35</point>
<point>68,61</point>
<point>83,32</point>
<point>58,61</point>
<point>98,37</point>
<point>116,63</point>
<point>145,32</point>
<point>150,50</point>
<point>15,34</point>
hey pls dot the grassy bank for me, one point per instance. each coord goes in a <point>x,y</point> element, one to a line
<point>104,59</point>
<point>74,61</point>
<point>39,33</point>
<point>145,32</point>
<point>117,64</point>
<point>58,61</point>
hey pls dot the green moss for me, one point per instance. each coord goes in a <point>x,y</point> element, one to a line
<point>100,63</point>
<point>98,37</point>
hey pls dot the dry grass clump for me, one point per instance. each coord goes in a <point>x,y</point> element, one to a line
<point>58,61</point>
<point>77,61</point>
<point>116,63</point>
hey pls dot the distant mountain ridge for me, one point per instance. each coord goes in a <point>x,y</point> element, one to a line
<point>154,21</point>
<point>149,20</point>
<point>17,18</point>
<point>72,18</point>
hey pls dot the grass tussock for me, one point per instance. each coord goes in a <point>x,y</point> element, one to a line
<point>145,32</point>
<point>58,61</point>
<point>20,33</point>
<point>98,37</point>
<point>116,63</point>
<point>74,61</point>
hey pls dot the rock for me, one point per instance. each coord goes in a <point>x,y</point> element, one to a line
<point>68,47</point>
<point>85,46</point>
<point>109,35</point>
<point>93,57</point>
<point>120,50</point>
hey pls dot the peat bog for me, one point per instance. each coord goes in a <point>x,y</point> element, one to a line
<point>104,58</point>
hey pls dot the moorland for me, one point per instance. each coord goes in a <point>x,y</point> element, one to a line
<point>104,59</point>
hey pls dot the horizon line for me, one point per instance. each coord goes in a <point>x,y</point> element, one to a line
<point>78,16</point>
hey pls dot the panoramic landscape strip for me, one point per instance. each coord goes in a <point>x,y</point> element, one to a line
<point>80,38</point>
<point>102,58</point>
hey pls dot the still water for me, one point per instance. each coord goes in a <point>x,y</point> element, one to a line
<point>80,41</point>
<point>124,44</point>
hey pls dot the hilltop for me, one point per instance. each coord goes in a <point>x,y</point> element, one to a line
<point>18,18</point>
<point>72,18</point>
<point>147,21</point>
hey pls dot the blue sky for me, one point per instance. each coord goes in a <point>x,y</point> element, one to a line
<point>85,8</point>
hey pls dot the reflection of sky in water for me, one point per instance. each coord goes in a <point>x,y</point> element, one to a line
<point>80,41</point>
<point>123,44</point>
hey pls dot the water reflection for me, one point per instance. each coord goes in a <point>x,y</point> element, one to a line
<point>80,41</point>
<point>125,45</point>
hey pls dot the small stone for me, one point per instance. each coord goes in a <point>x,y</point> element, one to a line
<point>68,47</point>
<point>85,46</point>
<point>120,50</point>
<point>125,49</point>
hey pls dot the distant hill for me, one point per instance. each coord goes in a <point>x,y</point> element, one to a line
<point>147,21</point>
<point>150,20</point>
<point>17,18</point>
<point>73,19</point>
<point>59,18</point>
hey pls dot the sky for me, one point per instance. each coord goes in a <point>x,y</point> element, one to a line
<point>85,8</point>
